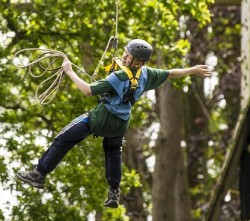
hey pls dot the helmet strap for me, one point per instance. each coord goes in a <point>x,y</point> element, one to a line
<point>131,62</point>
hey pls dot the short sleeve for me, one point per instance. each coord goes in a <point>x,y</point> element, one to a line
<point>101,87</point>
<point>155,78</point>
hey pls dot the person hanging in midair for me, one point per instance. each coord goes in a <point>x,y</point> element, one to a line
<point>110,118</point>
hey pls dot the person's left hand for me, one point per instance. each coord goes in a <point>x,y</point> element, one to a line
<point>201,71</point>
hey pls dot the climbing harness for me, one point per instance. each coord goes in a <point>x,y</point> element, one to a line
<point>50,57</point>
<point>133,79</point>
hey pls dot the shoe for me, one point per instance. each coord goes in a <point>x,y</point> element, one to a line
<point>34,178</point>
<point>113,198</point>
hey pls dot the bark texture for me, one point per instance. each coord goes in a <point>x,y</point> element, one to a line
<point>170,186</point>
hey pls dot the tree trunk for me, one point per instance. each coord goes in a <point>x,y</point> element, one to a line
<point>133,158</point>
<point>227,2</point>
<point>245,52</point>
<point>170,186</point>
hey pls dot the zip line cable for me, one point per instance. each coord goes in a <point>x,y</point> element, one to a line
<point>116,19</point>
<point>47,62</point>
<point>112,41</point>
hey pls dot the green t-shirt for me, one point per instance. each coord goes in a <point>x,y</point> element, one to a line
<point>155,78</point>
<point>102,122</point>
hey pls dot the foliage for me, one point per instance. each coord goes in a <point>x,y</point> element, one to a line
<point>132,179</point>
<point>81,30</point>
<point>118,214</point>
<point>213,124</point>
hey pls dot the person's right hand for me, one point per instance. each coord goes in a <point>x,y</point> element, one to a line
<point>66,66</point>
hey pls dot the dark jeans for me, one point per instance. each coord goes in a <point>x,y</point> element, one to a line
<point>72,134</point>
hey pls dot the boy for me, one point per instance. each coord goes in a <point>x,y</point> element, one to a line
<point>110,118</point>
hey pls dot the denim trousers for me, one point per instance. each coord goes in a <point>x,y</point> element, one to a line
<point>71,135</point>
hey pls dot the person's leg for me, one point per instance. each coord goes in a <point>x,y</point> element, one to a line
<point>113,162</point>
<point>69,136</point>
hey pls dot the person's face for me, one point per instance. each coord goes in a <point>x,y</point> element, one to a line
<point>128,61</point>
<point>126,58</point>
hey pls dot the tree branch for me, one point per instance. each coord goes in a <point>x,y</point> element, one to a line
<point>24,6</point>
<point>227,2</point>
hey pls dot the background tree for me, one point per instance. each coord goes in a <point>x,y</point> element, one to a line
<point>209,127</point>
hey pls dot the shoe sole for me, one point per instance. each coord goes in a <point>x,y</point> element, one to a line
<point>38,186</point>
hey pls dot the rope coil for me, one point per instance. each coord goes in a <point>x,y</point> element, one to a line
<point>48,57</point>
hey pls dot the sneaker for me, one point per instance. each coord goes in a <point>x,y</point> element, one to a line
<point>113,198</point>
<point>34,178</point>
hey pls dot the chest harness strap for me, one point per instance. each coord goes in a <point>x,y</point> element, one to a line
<point>129,95</point>
<point>133,79</point>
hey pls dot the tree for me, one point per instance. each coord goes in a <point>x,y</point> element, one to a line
<point>170,186</point>
<point>206,140</point>
<point>170,193</point>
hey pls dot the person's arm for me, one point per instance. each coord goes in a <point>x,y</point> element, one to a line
<point>199,70</point>
<point>81,84</point>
